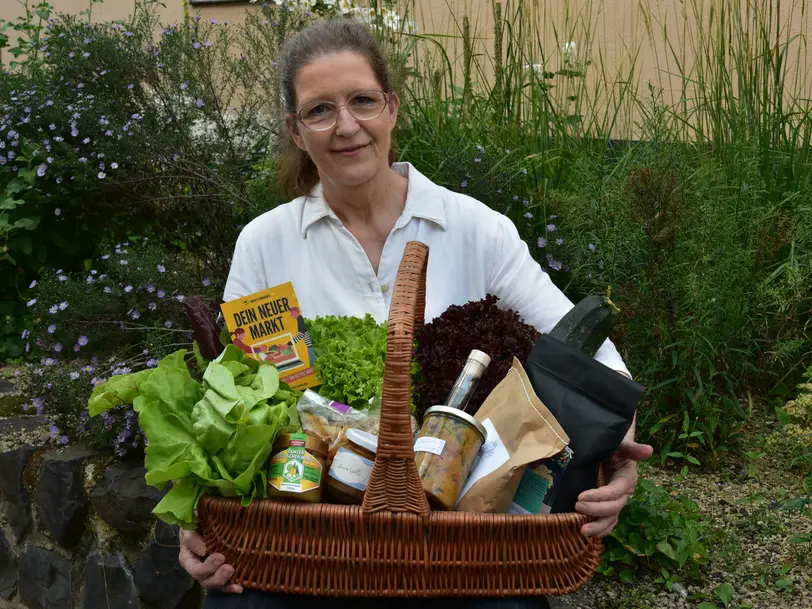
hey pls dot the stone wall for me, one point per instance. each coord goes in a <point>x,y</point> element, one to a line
<point>77,531</point>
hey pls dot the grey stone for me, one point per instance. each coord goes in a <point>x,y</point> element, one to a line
<point>21,424</point>
<point>61,498</point>
<point>123,499</point>
<point>162,583</point>
<point>8,568</point>
<point>45,579</point>
<point>108,583</point>
<point>15,499</point>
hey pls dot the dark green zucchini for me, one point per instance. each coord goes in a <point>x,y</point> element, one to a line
<point>588,324</point>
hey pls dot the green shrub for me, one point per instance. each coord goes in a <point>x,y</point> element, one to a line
<point>659,532</point>
<point>123,315</point>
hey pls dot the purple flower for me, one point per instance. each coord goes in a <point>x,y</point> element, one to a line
<point>74,376</point>
<point>129,34</point>
<point>206,282</point>
<point>63,305</point>
<point>529,216</point>
<point>555,265</point>
<point>88,40</point>
<point>86,140</point>
<point>59,181</point>
<point>168,323</point>
<point>136,314</point>
<point>49,361</point>
<point>551,228</point>
<point>82,341</point>
<point>51,328</point>
<point>71,55</point>
<point>39,404</point>
<point>53,310</point>
<point>32,285</point>
<point>152,363</point>
<point>180,297</point>
<point>25,334</point>
<point>102,175</point>
<point>77,348</point>
<point>131,86</point>
<point>107,289</point>
<point>62,277</point>
<point>161,268</point>
<point>542,242</point>
<point>128,289</point>
<point>105,257</point>
<point>86,54</point>
<point>32,302</point>
<point>592,247</point>
<point>58,347</point>
<point>184,85</point>
<point>41,170</point>
<point>161,293</point>
<point>123,262</point>
<point>559,241</point>
<point>114,165</point>
<point>464,184</point>
<point>196,45</point>
<point>200,103</point>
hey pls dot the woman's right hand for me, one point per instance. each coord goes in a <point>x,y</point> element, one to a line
<point>211,573</point>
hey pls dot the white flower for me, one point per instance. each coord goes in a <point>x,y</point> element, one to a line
<point>570,51</point>
<point>345,6</point>
<point>329,3</point>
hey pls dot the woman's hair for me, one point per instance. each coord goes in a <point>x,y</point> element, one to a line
<point>296,173</point>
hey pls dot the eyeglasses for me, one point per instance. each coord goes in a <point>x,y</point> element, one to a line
<point>363,105</point>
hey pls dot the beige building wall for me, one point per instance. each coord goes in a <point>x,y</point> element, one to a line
<point>647,41</point>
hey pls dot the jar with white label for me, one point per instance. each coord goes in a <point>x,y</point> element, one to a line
<point>351,468</point>
<point>445,451</point>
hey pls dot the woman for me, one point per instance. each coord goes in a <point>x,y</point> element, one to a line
<point>341,240</point>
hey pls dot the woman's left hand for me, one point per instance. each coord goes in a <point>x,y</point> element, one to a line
<point>606,502</point>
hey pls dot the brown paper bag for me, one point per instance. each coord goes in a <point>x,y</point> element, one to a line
<point>520,431</point>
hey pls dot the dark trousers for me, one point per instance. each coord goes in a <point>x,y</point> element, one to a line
<point>253,599</point>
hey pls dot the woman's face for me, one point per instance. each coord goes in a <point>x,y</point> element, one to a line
<point>352,152</point>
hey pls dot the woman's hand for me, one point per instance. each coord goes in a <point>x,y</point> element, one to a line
<point>211,573</point>
<point>606,502</point>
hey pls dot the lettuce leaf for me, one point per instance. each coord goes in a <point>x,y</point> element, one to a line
<point>214,437</point>
<point>350,353</point>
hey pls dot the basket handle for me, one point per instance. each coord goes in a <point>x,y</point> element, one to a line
<point>394,484</point>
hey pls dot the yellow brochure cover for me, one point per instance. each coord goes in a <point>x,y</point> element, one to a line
<point>269,326</point>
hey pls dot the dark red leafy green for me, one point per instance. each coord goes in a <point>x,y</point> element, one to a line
<point>204,326</point>
<point>444,344</point>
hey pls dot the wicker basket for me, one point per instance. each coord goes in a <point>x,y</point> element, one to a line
<point>393,545</point>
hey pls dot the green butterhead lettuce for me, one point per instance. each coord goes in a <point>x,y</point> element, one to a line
<point>214,436</point>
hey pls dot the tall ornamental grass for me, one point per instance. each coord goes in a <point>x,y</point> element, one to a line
<point>689,192</point>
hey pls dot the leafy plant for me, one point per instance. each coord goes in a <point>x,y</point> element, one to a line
<point>209,437</point>
<point>658,532</point>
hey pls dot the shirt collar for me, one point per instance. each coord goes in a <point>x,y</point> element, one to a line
<point>424,199</point>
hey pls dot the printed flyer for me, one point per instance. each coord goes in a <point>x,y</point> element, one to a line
<point>269,326</point>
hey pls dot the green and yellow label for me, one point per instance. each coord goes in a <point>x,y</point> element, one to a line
<point>295,470</point>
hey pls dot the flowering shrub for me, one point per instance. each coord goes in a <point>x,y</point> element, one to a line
<point>120,317</point>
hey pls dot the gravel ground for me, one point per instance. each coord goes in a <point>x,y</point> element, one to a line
<point>750,546</point>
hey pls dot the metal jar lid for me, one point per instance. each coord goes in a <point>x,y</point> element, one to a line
<point>458,414</point>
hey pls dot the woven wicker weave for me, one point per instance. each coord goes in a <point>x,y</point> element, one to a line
<point>393,545</point>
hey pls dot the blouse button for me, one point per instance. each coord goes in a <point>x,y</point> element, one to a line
<point>384,288</point>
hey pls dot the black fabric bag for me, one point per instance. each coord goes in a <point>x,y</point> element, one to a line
<point>593,403</point>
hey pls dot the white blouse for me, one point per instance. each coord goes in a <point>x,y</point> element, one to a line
<point>473,251</point>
